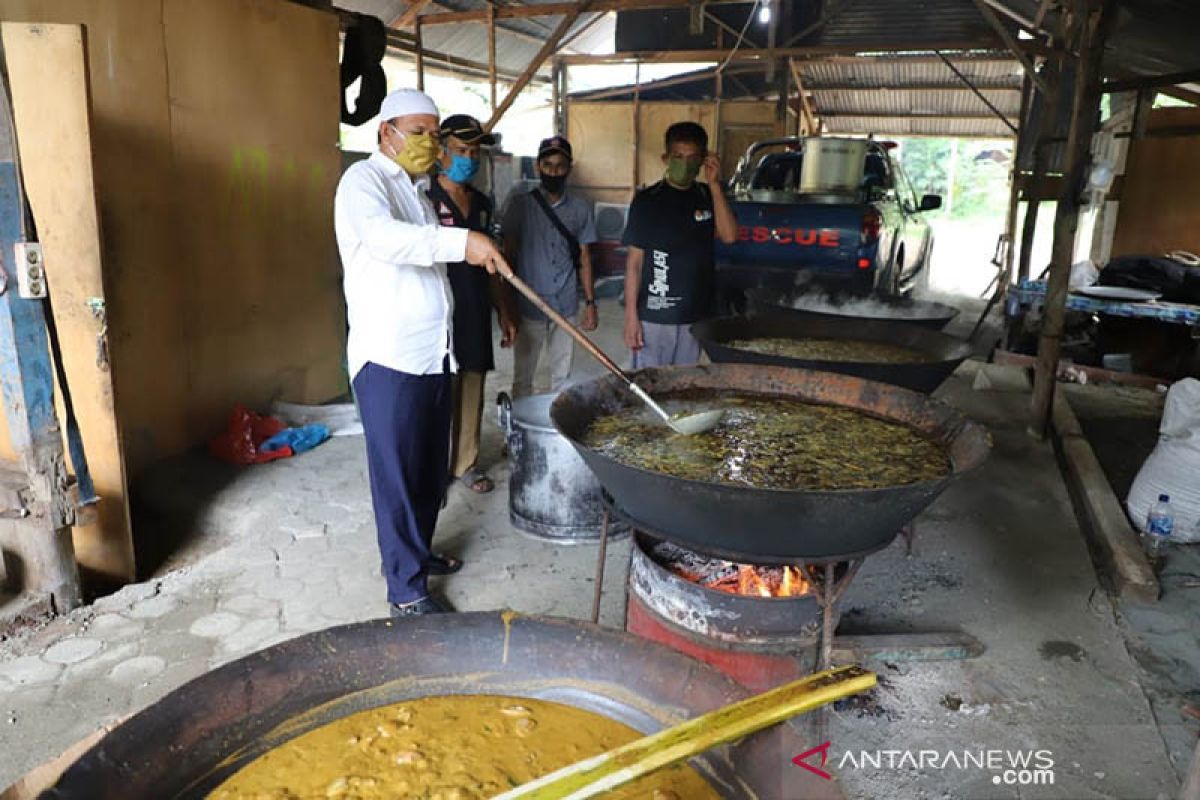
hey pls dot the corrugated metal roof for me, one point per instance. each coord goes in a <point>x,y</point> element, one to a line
<point>903,22</point>
<point>984,71</point>
<point>470,41</point>
<point>916,126</point>
<point>946,102</point>
<point>517,39</point>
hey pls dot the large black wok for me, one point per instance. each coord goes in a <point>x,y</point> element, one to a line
<point>769,525</point>
<point>922,313</point>
<point>943,353</point>
<point>184,745</point>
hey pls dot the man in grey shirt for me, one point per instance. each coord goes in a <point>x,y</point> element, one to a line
<point>543,231</point>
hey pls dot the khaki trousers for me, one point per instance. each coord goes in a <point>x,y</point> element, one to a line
<point>465,422</point>
<point>533,338</point>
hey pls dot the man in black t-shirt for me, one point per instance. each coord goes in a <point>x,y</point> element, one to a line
<point>670,235</point>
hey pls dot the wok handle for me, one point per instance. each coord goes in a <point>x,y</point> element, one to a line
<point>563,323</point>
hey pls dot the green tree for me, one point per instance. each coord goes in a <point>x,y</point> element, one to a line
<point>978,168</point>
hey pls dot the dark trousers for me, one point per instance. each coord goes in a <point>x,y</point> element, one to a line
<point>406,422</point>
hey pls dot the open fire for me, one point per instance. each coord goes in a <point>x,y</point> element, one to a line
<point>726,576</point>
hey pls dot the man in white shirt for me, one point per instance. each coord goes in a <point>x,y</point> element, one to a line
<point>400,348</point>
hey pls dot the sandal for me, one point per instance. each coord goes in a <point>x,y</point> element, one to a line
<point>443,565</point>
<point>475,480</point>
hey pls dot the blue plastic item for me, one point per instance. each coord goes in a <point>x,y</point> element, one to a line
<point>299,439</point>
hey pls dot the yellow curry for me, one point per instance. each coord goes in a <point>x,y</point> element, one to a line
<point>456,747</point>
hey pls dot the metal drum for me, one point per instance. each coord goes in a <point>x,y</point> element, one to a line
<point>552,495</point>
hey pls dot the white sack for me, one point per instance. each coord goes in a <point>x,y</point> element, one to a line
<point>1173,468</point>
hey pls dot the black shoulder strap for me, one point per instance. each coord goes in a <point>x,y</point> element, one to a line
<point>572,242</point>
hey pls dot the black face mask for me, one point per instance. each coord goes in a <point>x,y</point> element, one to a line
<point>554,184</point>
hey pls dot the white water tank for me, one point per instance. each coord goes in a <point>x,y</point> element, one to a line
<point>832,164</point>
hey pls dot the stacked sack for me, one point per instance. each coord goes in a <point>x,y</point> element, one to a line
<point>1174,466</point>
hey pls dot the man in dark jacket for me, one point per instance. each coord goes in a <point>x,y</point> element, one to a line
<point>460,205</point>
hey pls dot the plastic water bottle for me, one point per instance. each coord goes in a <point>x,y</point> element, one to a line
<point>1159,523</point>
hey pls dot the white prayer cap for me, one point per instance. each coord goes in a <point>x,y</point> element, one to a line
<point>403,102</point>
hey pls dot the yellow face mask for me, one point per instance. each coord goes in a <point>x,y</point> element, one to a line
<point>419,153</point>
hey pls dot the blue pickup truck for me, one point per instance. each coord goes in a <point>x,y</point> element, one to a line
<point>862,233</point>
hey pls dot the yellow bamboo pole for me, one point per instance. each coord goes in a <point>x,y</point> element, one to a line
<point>599,774</point>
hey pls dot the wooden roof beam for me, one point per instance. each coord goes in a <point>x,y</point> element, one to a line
<point>716,55</point>
<point>827,114</point>
<point>555,9</point>
<point>410,14</point>
<point>538,59</point>
<point>899,87</point>
<point>406,43</point>
<point>1133,84</point>
<point>1014,46</point>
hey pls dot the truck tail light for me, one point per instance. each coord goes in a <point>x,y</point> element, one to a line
<point>872,223</point>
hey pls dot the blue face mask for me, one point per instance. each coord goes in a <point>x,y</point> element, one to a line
<point>462,169</point>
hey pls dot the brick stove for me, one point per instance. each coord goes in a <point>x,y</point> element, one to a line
<point>745,620</point>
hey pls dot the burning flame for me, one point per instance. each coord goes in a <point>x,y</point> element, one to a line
<point>748,580</point>
<point>750,583</point>
<point>793,583</point>
<point>767,582</point>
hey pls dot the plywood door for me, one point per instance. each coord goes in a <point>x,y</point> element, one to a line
<point>127,75</point>
<point>254,127</point>
<point>601,135</point>
<point>742,124</point>
<point>1159,201</point>
<point>47,71</point>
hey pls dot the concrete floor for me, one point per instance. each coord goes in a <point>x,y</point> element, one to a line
<point>287,548</point>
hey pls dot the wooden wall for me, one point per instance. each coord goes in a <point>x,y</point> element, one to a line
<point>1160,204</point>
<point>215,129</point>
<point>616,153</point>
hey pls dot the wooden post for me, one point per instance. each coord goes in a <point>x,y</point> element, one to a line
<point>806,111</point>
<point>538,59</point>
<point>1141,112</point>
<point>1014,195</point>
<point>1008,238</point>
<point>420,55</point>
<point>556,97</point>
<point>1041,127</point>
<point>564,83</point>
<point>784,87</point>
<point>1091,29</point>
<point>1033,205</point>
<point>637,124</point>
<point>492,54</point>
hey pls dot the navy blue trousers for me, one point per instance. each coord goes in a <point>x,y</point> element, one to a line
<point>406,422</point>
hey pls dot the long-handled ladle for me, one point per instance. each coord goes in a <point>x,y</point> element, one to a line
<point>687,424</point>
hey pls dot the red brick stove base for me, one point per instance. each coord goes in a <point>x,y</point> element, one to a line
<point>756,671</point>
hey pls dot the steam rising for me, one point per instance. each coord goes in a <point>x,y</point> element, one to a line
<point>819,301</point>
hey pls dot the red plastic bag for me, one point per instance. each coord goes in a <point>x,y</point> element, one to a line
<point>245,432</point>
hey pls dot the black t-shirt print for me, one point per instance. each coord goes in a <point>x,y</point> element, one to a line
<point>675,228</point>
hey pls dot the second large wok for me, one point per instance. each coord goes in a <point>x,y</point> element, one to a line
<point>769,525</point>
<point>940,354</point>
